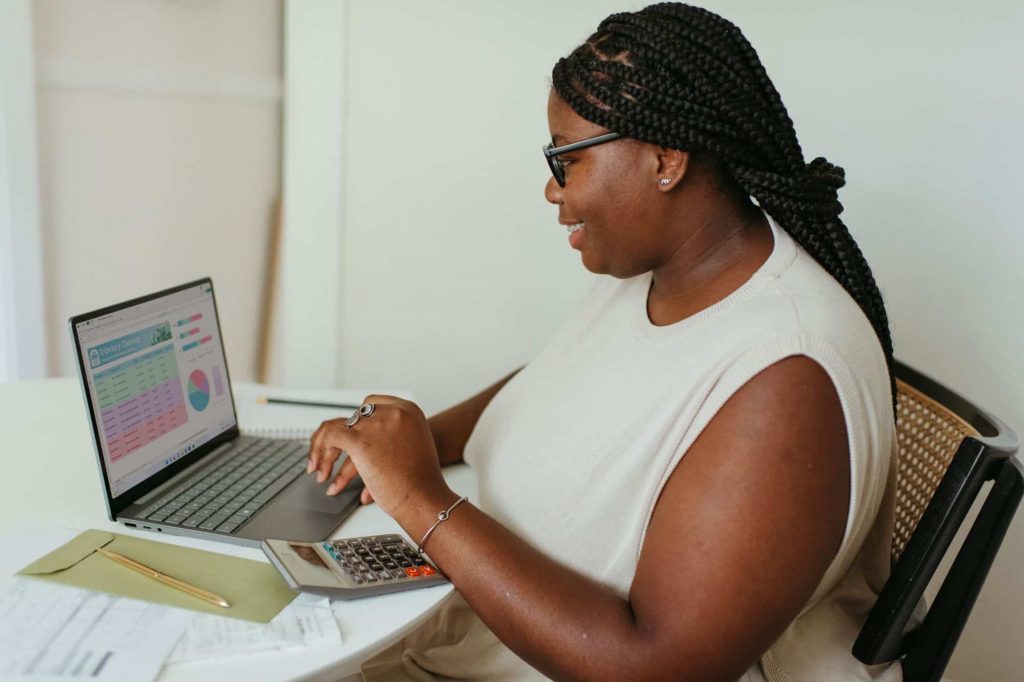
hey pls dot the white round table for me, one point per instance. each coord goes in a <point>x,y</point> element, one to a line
<point>51,480</point>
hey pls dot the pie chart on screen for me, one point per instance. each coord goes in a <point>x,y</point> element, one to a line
<point>198,390</point>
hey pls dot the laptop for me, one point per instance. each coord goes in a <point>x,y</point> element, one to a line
<point>171,456</point>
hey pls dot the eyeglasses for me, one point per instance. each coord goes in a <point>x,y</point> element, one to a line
<point>552,152</point>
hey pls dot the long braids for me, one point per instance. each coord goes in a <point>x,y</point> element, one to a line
<point>685,78</point>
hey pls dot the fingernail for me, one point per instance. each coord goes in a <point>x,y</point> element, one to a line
<point>332,489</point>
<point>309,467</point>
<point>321,477</point>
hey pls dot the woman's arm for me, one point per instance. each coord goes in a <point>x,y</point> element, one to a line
<point>740,537</point>
<point>451,429</point>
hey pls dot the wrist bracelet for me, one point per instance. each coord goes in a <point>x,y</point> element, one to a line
<point>442,516</point>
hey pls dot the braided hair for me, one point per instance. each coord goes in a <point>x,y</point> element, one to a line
<point>682,77</point>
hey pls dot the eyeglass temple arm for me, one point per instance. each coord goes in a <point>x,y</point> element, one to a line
<point>582,144</point>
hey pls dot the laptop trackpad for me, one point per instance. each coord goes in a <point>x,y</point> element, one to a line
<point>308,494</point>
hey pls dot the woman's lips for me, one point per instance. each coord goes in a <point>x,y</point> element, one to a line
<point>575,235</point>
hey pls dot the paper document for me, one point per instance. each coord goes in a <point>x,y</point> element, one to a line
<point>51,632</point>
<point>301,624</point>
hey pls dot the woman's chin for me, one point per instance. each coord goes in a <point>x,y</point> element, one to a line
<point>596,265</point>
<point>591,263</point>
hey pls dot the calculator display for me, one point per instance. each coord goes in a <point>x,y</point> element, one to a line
<point>309,554</point>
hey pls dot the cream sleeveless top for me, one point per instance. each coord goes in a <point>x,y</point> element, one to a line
<point>572,453</point>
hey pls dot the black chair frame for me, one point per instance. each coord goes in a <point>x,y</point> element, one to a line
<point>926,649</point>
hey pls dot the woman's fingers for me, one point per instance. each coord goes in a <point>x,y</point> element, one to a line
<point>328,455</point>
<point>325,446</point>
<point>346,472</point>
<point>314,449</point>
<point>374,431</point>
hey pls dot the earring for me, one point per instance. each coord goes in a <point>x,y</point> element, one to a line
<point>664,181</point>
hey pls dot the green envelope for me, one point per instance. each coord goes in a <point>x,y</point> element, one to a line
<point>254,589</point>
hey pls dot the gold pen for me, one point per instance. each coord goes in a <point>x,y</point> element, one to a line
<point>210,597</point>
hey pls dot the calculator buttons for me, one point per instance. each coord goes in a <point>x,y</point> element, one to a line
<point>378,559</point>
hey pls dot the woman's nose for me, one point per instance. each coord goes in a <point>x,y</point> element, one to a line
<point>552,192</point>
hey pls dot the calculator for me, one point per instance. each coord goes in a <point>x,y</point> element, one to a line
<point>353,567</point>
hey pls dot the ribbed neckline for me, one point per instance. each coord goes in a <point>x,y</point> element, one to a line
<point>784,250</point>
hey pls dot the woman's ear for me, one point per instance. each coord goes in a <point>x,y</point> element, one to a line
<point>672,167</point>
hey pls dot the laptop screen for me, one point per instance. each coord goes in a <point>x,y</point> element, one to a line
<point>156,377</point>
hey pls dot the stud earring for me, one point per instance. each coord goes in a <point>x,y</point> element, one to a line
<point>664,181</point>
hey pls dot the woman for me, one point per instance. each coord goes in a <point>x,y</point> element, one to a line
<point>693,480</point>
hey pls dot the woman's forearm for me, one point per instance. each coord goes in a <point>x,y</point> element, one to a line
<point>561,622</point>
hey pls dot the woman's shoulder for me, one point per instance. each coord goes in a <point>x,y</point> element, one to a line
<point>799,297</point>
<point>799,308</point>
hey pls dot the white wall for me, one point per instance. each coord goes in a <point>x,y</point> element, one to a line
<point>159,127</point>
<point>22,347</point>
<point>308,304</point>
<point>454,270</point>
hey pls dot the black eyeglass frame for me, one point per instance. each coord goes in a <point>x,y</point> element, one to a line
<point>551,153</point>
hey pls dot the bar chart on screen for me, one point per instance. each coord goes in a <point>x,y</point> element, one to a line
<point>191,335</point>
<point>218,381</point>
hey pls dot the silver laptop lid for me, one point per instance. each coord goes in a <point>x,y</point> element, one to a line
<point>156,383</point>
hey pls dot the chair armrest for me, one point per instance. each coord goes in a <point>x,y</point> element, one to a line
<point>881,638</point>
<point>935,640</point>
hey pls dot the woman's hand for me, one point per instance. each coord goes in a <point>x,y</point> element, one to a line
<point>392,449</point>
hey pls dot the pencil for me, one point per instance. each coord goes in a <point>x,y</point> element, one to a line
<point>192,590</point>
<point>263,400</point>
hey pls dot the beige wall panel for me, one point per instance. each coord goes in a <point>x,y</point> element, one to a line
<point>216,38</point>
<point>142,193</point>
<point>159,128</point>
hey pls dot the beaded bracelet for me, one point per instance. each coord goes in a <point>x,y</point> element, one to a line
<point>442,516</point>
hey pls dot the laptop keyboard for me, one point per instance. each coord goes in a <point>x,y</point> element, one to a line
<point>225,497</point>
